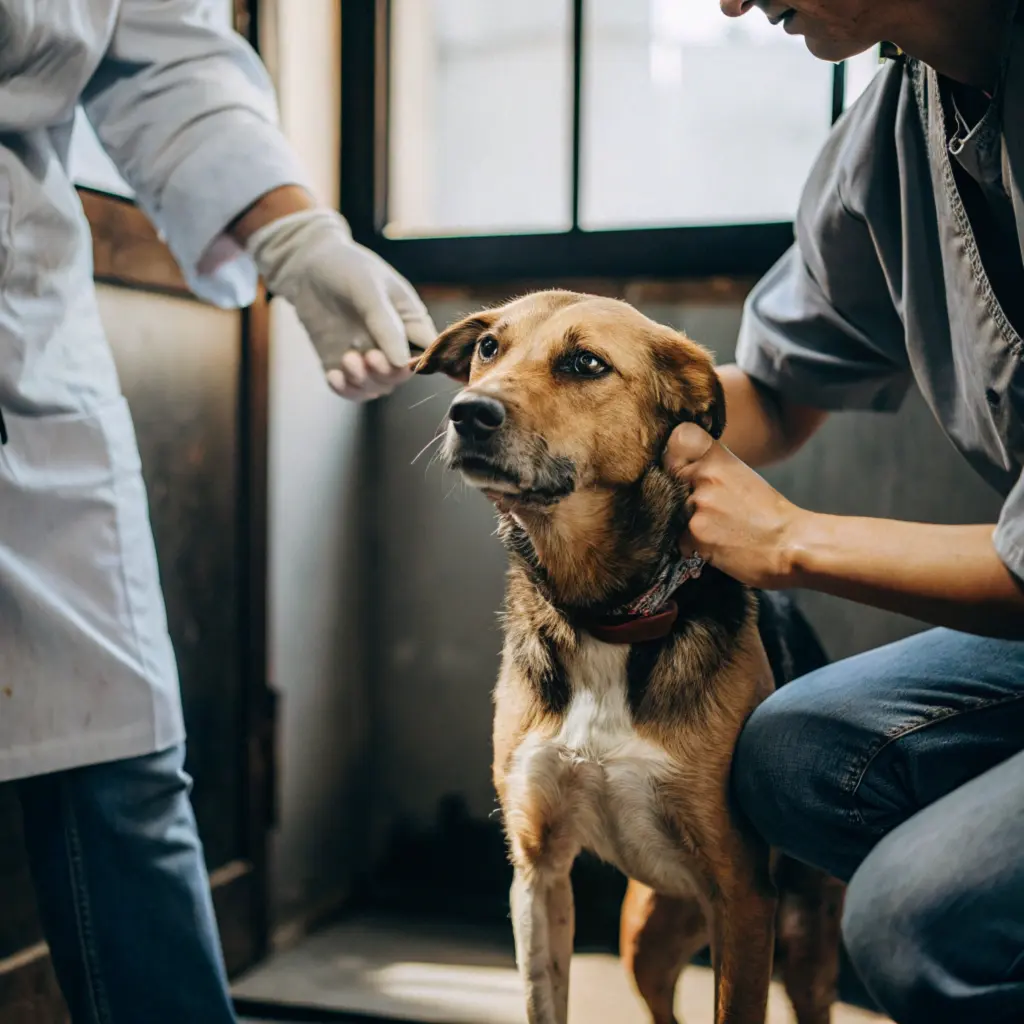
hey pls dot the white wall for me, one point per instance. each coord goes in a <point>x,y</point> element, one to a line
<point>316,657</point>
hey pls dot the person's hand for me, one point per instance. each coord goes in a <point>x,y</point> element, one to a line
<point>360,314</point>
<point>739,523</point>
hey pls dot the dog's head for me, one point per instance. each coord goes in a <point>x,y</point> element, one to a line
<point>567,393</point>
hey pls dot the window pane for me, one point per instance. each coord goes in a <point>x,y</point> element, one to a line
<point>88,164</point>
<point>481,116</point>
<point>690,117</point>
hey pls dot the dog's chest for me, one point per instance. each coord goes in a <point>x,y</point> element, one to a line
<point>600,784</point>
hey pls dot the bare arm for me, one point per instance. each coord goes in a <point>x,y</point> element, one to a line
<point>945,575</point>
<point>270,207</point>
<point>762,427</point>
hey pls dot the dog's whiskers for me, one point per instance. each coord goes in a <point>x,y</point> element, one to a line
<point>423,450</point>
<point>423,401</point>
<point>435,458</point>
<point>452,489</point>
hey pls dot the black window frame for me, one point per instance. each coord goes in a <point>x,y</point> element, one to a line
<point>690,251</point>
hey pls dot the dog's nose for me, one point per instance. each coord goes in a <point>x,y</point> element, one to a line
<point>476,417</point>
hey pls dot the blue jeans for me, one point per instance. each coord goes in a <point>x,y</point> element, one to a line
<point>123,893</point>
<point>902,772</point>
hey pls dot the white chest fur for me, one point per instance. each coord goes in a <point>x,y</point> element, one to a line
<point>596,783</point>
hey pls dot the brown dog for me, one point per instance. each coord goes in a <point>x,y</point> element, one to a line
<point>627,671</point>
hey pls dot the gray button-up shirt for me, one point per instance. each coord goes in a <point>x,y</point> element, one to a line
<point>886,284</point>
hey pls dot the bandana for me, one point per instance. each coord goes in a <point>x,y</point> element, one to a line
<point>652,615</point>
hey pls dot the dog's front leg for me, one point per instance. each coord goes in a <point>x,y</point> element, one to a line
<point>542,922</point>
<point>561,928</point>
<point>743,935</point>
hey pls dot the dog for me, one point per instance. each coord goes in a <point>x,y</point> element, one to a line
<point>628,669</point>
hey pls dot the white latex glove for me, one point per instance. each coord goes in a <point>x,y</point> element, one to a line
<point>359,313</point>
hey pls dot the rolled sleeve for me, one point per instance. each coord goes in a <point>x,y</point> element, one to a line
<point>1009,535</point>
<point>822,327</point>
<point>188,115</point>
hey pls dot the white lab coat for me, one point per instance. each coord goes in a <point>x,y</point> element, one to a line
<point>186,111</point>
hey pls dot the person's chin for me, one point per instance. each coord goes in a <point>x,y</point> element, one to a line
<point>831,49</point>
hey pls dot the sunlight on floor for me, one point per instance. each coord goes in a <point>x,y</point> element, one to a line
<point>466,978</point>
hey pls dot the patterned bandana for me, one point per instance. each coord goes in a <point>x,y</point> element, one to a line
<point>671,575</point>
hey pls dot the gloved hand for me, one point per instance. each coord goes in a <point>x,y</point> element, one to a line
<point>359,313</point>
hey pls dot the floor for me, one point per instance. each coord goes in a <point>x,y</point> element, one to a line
<point>426,975</point>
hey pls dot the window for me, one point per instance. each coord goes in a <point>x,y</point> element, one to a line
<point>89,164</point>
<point>488,140</point>
<point>684,110</point>
<point>480,117</point>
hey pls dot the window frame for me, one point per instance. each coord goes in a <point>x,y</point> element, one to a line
<point>719,250</point>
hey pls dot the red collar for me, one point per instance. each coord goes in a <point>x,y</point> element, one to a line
<point>637,629</point>
<point>653,614</point>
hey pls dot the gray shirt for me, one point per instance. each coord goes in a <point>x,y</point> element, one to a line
<point>905,270</point>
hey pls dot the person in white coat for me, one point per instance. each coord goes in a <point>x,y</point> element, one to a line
<point>90,713</point>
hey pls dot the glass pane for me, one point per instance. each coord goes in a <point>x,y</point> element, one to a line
<point>481,116</point>
<point>690,117</point>
<point>859,72</point>
<point>88,164</point>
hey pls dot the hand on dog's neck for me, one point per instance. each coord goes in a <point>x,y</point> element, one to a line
<point>599,547</point>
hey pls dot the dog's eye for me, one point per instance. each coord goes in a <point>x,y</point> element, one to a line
<point>586,364</point>
<point>487,348</point>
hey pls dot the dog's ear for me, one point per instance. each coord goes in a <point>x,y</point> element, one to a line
<point>452,352</point>
<point>712,419</point>
<point>687,383</point>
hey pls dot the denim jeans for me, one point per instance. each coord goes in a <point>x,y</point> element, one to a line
<point>123,893</point>
<point>901,771</point>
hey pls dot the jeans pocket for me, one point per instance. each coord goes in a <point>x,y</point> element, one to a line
<point>934,754</point>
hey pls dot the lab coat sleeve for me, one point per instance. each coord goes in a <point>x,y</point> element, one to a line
<point>188,115</point>
<point>822,327</point>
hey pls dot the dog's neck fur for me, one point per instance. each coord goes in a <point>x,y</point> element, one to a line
<point>599,548</point>
<point>580,562</point>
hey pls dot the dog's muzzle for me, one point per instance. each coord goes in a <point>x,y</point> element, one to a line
<point>485,446</point>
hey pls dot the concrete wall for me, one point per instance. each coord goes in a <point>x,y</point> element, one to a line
<point>443,568</point>
<point>317,658</point>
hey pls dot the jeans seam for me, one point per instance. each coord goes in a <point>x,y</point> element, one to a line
<point>99,1005</point>
<point>931,718</point>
